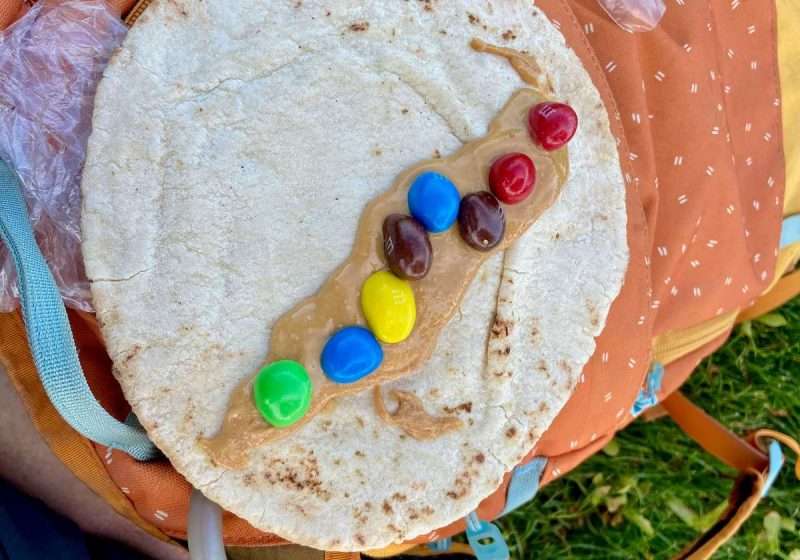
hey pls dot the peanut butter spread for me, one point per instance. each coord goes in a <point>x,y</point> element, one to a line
<point>301,333</point>
<point>411,416</point>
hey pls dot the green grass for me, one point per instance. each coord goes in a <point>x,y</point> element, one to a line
<point>651,492</point>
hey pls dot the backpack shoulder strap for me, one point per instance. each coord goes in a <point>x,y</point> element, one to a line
<point>50,336</point>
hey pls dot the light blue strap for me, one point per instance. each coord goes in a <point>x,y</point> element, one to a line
<point>649,395</point>
<point>49,334</point>
<point>775,465</point>
<point>790,230</point>
<point>524,483</point>
<point>442,545</point>
<point>486,540</point>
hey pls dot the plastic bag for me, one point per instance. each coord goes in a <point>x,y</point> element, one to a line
<point>634,15</point>
<point>50,63</point>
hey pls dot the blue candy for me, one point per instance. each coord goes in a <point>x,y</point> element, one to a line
<point>433,200</point>
<point>350,354</point>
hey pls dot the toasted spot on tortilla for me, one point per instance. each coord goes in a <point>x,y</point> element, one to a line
<point>461,486</point>
<point>303,478</point>
<point>361,515</point>
<point>543,406</point>
<point>465,407</point>
<point>387,507</point>
<point>188,416</point>
<point>542,366</point>
<point>501,327</point>
<point>359,26</point>
<point>594,315</point>
<point>505,351</point>
<point>132,354</point>
<point>509,35</point>
<point>511,432</point>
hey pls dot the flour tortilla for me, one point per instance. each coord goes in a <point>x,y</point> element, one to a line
<point>234,147</point>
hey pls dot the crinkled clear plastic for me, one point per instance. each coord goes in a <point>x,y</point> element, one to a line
<point>635,15</point>
<point>50,63</point>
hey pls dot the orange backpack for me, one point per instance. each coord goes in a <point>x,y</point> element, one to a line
<point>696,106</point>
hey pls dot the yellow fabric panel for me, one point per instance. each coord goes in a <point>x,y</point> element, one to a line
<point>789,62</point>
<point>391,550</point>
<point>672,345</point>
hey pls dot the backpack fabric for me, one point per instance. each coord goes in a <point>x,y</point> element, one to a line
<point>696,106</point>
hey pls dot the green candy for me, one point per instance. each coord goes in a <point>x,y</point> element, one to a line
<point>282,391</point>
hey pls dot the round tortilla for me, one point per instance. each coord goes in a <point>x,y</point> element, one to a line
<point>234,148</point>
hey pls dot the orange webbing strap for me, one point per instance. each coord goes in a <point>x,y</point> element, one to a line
<point>745,496</point>
<point>713,436</point>
<point>791,443</point>
<point>785,289</point>
<point>734,451</point>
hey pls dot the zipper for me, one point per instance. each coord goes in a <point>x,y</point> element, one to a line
<point>670,346</point>
<point>136,11</point>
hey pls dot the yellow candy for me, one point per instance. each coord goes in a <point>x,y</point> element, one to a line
<point>388,304</point>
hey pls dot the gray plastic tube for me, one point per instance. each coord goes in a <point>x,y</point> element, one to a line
<point>205,529</point>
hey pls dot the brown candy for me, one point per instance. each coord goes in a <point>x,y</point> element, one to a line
<point>481,221</point>
<point>407,247</point>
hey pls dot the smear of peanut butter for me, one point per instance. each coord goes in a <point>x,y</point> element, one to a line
<point>301,333</point>
<point>411,416</point>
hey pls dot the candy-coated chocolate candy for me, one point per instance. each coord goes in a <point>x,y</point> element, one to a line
<point>389,307</point>
<point>407,247</point>
<point>481,221</point>
<point>282,391</point>
<point>552,124</point>
<point>511,177</point>
<point>433,200</point>
<point>350,354</point>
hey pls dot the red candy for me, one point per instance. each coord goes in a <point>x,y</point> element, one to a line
<point>511,177</point>
<point>552,124</point>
